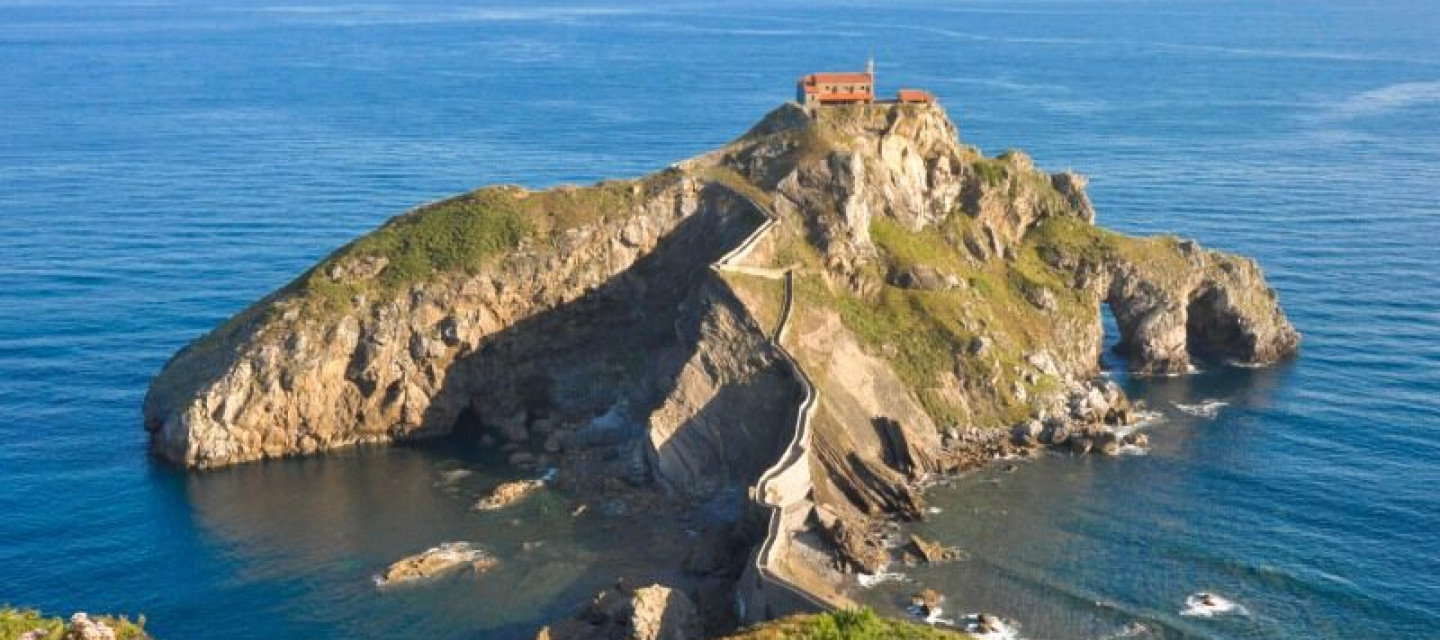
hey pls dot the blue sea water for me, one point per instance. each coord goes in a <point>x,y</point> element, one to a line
<point>164,163</point>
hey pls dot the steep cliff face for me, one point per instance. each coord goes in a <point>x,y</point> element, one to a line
<point>944,296</point>
<point>375,344</point>
<point>723,418</point>
<point>940,304</point>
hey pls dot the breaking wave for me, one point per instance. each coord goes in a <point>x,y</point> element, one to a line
<point>1209,605</point>
<point>1207,408</point>
<point>1004,629</point>
<point>868,580</point>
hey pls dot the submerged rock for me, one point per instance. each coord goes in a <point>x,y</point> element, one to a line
<point>933,552</point>
<point>986,623</point>
<point>926,603</point>
<point>857,548</point>
<point>508,493</point>
<point>437,561</point>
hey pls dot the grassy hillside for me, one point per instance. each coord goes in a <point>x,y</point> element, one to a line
<point>845,625</point>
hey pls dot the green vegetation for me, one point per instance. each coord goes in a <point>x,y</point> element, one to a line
<point>903,248</point>
<point>927,335</point>
<point>991,170</point>
<point>1074,240</point>
<point>764,297</point>
<point>861,624</point>
<point>456,234</point>
<point>459,234</point>
<point>731,178</point>
<point>17,622</point>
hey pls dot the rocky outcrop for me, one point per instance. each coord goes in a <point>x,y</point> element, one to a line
<point>83,628</point>
<point>303,372</point>
<point>508,493</point>
<point>655,612</point>
<point>942,308</point>
<point>431,563</point>
<point>932,552</point>
<point>720,418</point>
<point>24,624</point>
<point>1214,305</point>
<point>661,613</point>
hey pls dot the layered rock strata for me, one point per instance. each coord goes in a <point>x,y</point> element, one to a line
<point>941,308</point>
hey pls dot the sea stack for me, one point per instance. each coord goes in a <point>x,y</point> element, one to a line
<point>840,302</point>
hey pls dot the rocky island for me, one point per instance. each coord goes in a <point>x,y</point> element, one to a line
<point>841,303</point>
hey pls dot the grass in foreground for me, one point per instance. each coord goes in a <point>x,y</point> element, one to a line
<point>17,622</point>
<point>861,624</point>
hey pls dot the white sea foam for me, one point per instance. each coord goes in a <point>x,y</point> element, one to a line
<point>930,616</point>
<point>1143,419</point>
<point>1209,605</point>
<point>1132,630</point>
<point>1007,629</point>
<point>1133,450</point>
<point>1207,408</point>
<point>868,580</point>
<point>1190,370</point>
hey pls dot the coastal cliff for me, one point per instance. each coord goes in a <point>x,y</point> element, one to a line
<point>931,308</point>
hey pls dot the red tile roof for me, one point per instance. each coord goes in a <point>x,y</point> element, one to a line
<point>914,95</point>
<point>838,77</point>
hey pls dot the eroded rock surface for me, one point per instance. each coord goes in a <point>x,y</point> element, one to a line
<point>431,563</point>
<point>943,306</point>
<point>508,493</point>
<point>656,612</point>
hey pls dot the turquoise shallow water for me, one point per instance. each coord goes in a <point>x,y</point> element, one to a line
<point>164,163</point>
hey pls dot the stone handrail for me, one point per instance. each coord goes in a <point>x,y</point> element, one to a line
<point>793,460</point>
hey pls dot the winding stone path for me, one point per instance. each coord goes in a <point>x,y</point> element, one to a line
<point>785,487</point>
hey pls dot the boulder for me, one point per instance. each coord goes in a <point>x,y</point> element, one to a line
<point>83,628</point>
<point>1043,363</point>
<point>978,346</point>
<point>1058,434</point>
<point>655,612</point>
<point>986,623</point>
<point>1109,446</point>
<point>508,493</point>
<point>1042,298</point>
<point>926,601</point>
<point>856,548</point>
<point>436,561</point>
<point>662,613</point>
<point>1027,434</point>
<point>933,552</point>
<point>354,269</point>
<point>922,277</point>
